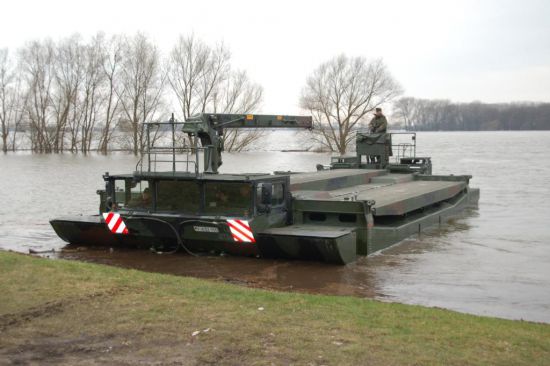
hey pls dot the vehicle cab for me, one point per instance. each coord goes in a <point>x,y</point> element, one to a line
<point>200,209</point>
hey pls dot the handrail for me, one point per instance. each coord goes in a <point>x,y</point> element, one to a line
<point>404,149</point>
<point>399,149</point>
<point>159,154</point>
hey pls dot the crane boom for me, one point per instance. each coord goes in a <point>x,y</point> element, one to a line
<point>209,129</point>
<point>205,121</point>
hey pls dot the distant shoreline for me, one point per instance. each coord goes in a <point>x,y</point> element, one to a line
<point>309,150</point>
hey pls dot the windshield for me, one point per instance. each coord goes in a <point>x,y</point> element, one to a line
<point>228,198</point>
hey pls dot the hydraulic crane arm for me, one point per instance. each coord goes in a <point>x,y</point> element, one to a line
<point>209,128</point>
<point>206,122</point>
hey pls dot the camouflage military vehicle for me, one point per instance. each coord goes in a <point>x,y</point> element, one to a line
<point>354,206</point>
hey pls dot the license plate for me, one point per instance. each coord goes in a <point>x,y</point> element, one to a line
<point>206,229</point>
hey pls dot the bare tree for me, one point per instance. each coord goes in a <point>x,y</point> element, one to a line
<point>430,114</point>
<point>217,70</point>
<point>404,111</point>
<point>341,92</point>
<point>202,80</point>
<point>238,95</point>
<point>37,62</point>
<point>69,74</point>
<point>194,71</point>
<point>111,65</point>
<point>12,101</point>
<point>142,82</point>
<point>5,100</point>
<point>92,99</point>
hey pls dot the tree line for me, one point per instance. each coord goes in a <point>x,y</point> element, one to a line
<point>444,115</point>
<point>81,95</point>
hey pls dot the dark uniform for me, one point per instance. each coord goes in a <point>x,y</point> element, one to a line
<point>379,124</point>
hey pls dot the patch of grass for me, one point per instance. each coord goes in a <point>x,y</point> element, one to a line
<point>67,312</point>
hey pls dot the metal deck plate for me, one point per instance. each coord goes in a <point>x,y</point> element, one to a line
<point>332,179</point>
<point>401,198</point>
<point>321,231</point>
<point>327,174</point>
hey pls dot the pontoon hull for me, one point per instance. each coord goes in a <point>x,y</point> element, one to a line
<point>329,243</point>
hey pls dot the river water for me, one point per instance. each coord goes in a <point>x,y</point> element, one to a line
<point>494,260</point>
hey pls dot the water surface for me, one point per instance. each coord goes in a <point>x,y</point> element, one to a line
<point>494,260</point>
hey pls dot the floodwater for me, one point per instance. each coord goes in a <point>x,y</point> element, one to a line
<point>494,260</point>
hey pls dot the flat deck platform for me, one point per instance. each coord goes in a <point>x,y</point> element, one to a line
<point>328,180</point>
<point>397,199</point>
<point>394,194</point>
<point>336,173</point>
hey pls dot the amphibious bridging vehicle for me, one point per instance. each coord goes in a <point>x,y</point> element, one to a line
<point>352,207</point>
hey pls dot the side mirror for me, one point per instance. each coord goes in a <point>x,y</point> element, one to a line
<point>267,189</point>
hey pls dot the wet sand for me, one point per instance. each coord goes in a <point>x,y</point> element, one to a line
<point>361,278</point>
<point>308,277</point>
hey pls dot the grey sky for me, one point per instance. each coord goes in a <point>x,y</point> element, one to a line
<point>493,51</point>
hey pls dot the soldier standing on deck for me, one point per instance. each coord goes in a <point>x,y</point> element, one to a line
<point>379,123</point>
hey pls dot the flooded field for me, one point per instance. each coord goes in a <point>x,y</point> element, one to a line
<point>491,261</point>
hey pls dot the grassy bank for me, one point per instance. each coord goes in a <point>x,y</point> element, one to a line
<point>64,312</point>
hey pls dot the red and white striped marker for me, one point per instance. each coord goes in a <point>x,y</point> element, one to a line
<point>241,231</point>
<point>114,223</point>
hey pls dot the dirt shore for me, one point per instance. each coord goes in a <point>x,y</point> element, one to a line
<point>62,312</point>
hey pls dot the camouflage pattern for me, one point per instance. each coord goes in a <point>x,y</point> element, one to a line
<point>380,209</point>
<point>330,215</point>
<point>378,124</point>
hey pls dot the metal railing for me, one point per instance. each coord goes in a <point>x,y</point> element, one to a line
<point>400,149</point>
<point>183,159</point>
<point>403,149</point>
<point>179,158</point>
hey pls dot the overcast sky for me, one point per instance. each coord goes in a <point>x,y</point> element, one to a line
<point>492,51</point>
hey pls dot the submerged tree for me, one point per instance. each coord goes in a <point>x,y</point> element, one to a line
<point>341,92</point>
<point>142,82</point>
<point>112,91</point>
<point>12,101</point>
<point>195,71</point>
<point>69,74</point>
<point>239,95</point>
<point>202,80</point>
<point>38,69</point>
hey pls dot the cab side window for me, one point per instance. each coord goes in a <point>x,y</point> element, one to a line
<point>140,195</point>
